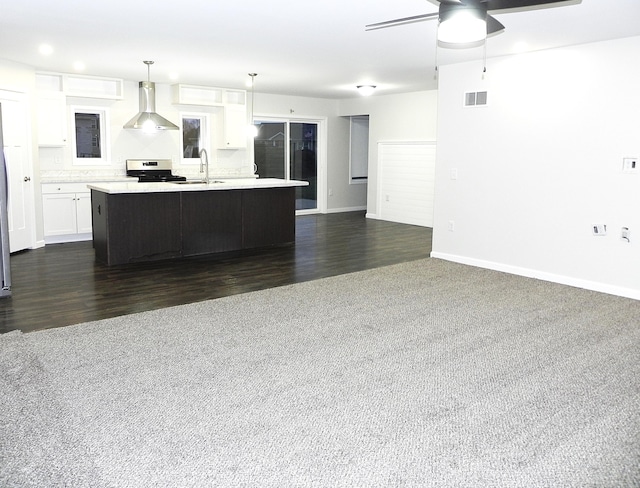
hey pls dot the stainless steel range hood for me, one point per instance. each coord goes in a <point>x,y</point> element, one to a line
<point>147,119</point>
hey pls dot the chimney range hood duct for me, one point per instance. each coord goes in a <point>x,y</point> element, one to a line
<point>147,119</point>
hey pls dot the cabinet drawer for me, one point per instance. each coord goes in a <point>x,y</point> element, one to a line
<point>49,188</point>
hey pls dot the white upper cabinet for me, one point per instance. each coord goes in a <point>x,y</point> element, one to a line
<point>80,85</point>
<point>235,127</point>
<point>52,119</point>
<point>196,95</point>
<point>207,96</point>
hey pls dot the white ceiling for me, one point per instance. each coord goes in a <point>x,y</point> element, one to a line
<point>315,48</point>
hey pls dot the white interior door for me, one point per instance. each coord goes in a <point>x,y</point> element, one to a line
<point>15,124</point>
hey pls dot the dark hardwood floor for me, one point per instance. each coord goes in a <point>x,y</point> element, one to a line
<point>62,284</point>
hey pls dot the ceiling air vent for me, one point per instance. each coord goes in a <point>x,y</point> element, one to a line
<point>475,99</point>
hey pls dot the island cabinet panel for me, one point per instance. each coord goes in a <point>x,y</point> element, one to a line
<point>268,217</point>
<point>136,227</point>
<point>211,222</point>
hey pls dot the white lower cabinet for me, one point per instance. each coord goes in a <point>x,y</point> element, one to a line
<point>66,211</point>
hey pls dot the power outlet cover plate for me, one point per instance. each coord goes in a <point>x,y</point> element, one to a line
<point>599,229</point>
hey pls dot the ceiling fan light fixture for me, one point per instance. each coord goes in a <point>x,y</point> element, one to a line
<point>462,25</point>
<point>366,90</point>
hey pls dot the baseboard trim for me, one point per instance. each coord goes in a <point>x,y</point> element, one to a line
<point>345,209</point>
<point>541,275</point>
<point>68,238</point>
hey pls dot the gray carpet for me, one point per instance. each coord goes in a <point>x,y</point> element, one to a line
<point>427,373</point>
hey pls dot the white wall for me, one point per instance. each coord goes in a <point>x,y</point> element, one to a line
<point>541,163</point>
<point>392,118</point>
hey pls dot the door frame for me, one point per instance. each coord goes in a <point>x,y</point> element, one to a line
<point>321,156</point>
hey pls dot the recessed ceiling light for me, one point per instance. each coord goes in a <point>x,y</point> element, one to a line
<point>45,49</point>
<point>173,76</point>
<point>79,66</point>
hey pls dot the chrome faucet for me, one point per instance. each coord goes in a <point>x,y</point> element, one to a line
<point>204,164</point>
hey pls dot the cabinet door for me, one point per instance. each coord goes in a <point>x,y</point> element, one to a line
<point>59,214</point>
<point>52,119</point>
<point>83,212</point>
<point>235,127</point>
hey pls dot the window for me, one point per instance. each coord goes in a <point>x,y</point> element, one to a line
<point>195,136</point>
<point>90,136</point>
<point>359,151</point>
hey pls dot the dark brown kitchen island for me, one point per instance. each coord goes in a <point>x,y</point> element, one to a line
<point>136,222</point>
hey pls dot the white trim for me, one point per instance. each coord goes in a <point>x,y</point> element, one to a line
<point>321,122</point>
<point>541,275</point>
<point>68,238</point>
<point>365,149</point>
<point>105,136</point>
<point>205,135</point>
<point>346,209</point>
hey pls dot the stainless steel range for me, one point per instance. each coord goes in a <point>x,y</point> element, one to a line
<point>150,171</point>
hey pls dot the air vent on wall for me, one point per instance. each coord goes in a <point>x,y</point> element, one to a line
<point>475,99</point>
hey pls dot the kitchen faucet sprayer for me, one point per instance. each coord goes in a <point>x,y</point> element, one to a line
<point>204,164</point>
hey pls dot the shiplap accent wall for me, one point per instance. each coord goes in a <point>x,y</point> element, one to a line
<point>406,182</point>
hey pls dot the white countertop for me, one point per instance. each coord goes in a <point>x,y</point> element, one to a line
<point>216,184</point>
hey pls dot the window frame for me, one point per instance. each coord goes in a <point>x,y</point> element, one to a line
<point>205,134</point>
<point>105,136</point>
<point>363,142</point>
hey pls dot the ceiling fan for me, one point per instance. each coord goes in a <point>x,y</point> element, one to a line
<point>467,21</point>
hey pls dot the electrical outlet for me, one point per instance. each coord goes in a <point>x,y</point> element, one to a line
<point>599,229</point>
<point>452,225</point>
<point>625,235</point>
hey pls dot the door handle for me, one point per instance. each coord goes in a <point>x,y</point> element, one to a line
<point>27,178</point>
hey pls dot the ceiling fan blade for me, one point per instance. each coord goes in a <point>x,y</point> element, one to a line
<point>525,4</point>
<point>493,25</point>
<point>403,21</point>
<point>447,2</point>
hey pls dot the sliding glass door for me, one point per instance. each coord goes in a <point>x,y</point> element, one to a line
<point>289,150</point>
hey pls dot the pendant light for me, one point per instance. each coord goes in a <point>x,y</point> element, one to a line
<point>253,129</point>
